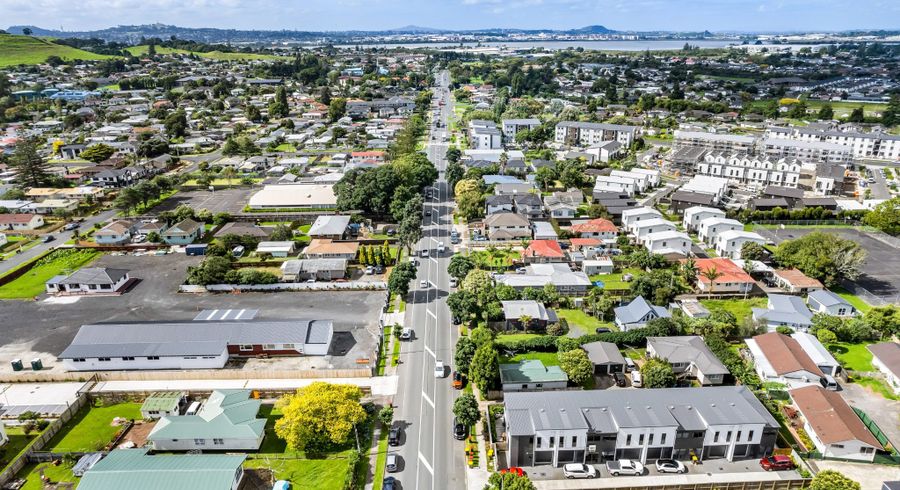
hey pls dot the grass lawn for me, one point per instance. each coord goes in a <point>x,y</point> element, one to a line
<point>614,281</point>
<point>582,321</point>
<point>740,308</point>
<point>506,339</point>
<point>854,357</point>
<point>547,358</point>
<point>321,474</point>
<point>853,299</point>
<point>395,355</point>
<point>502,258</point>
<point>17,443</point>
<point>213,55</point>
<point>286,147</point>
<point>30,50</point>
<point>878,386</point>
<point>32,283</point>
<point>380,458</point>
<point>32,475</point>
<point>92,428</point>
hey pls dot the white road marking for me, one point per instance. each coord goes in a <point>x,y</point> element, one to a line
<point>430,352</point>
<point>427,399</point>
<point>432,314</point>
<point>427,466</point>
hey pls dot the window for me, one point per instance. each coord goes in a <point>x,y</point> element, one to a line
<point>650,440</point>
<point>728,436</point>
<point>246,347</point>
<point>716,437</point>
<point>287,346</point>
<point>552,441</point>
<point>750,436</point>
<point>539,385</point>
<point>628,440</point>
<point>269,347</point>
<point>662,438</point>
<point>78,359</point>
<point>574,441</point>
<point>190,357</point>
<point>538,442</point>
<point>641,440</point>
<point>199,442</point>
<point>152,358</point>
<point>104,359</point>
<point>867,450</point>
<point>128,358</point>
<point>737,438</point>
<point>837,446</point>
<point>218,442</point>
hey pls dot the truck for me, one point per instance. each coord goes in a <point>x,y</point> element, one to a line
<point>625,467</point>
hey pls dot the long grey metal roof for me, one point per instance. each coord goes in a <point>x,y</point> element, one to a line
<point>603,353</point>
<point>194,338</point>
<point>609,411</point>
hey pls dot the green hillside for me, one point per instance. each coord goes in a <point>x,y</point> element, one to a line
<point>26,50</point>
<point>213,55</point>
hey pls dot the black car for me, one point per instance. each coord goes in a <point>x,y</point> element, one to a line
<point>49,238</point>
<point>460,431</point>
<point>620,379</point>
<point>389,483</point>
<point>602,330</point>
<point>394,436</point>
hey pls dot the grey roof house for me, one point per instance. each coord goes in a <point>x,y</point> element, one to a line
<point>134,469</point>
<point>605,357</point>
<point>328,226</point>
<point>538,315</point>
<point>637,313</point>
<point>783,310</point>
<point>90,280</point>
<point>689,355</point>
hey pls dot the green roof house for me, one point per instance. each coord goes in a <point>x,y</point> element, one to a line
<point>227,421</point>
<point>532,375</point>
<point>161,404</point>
<point>134,469</point>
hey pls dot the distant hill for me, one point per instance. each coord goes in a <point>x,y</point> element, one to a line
<point>591,30</point>
<point>415,30</point>
<point>27,50</point>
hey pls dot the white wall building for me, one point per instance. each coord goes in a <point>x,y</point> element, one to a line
<point>694,215</point>
<point>729,243</point>
<point>589,134</point>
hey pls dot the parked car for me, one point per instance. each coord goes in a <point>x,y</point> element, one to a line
<point>453,282</point>
<point>620,380</point>
<point>370,270</point>
<point>670,466</point>
<point>389,483</point>
<point>777,463</point>
<point>629,365</point>
<point>460,431</point>
<point>394,435</point>
<point>458,381</point>
<point>423,284</point>
<point>636,379</point>
<point>424,253</point>
<point>379,269</point>
<point>579,470</point>
<point>391,466</point>
<point>438,368</point>
<point>71,226</point>
<point>406,333</point>
<point>602,330</point>
<point>625,467</point>
<point>514,470</point>
<point>49,238</point>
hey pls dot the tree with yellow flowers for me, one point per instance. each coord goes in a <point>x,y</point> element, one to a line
<point>319,416</point>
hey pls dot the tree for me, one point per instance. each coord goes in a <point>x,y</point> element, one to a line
<point>176,124</point>
<point>460,266</point>
<point>657,286</point>
<point>386,415</point>
<point>462,305</point>
<point>826,336</point>
<point>481,286</point>
<point>826,112</point>
<point>823,256</point>
<point>824,321</point>
<point>858,115</point>
<point>319,416</point>
<point>576,365</point>
<point>753,251</point>
<point>462,358</point>
<point>884,319</point>
<point>711,274</point>
<point>688,271</point>
<point>211,271</point>
<point>337,108</point>
<point>31,169</point>
<point>485,367</point>
<point>885,216</point>
<point>98,153</point>
<point>890,116</point>
<point>27,31</point>
<point>509,481</point>
<point>832,480</point>
<point>282,233</point>
<point>657,373</point>
<point>465,408</point>
<point>470,204</point>
<point>545,177</point>
<point>280,107</point>
<point>401,275</point>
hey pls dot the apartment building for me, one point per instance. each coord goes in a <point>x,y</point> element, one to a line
<point>748,169</point>
<point>645,425</point>
<point>574,133</point>
<point>862,145</point>
<point>484,135</point>
<point>511,127</point>
<point>807,151</point>
<point>714,141</point>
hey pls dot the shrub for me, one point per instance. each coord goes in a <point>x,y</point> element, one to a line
<point>557,329</point>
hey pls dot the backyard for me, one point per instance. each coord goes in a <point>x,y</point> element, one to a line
<point>57,474</point>
<point>17,443</point>
<point>32,283</point>
<point>581,323</point>
<point>615,281</point>
<point>92,428</point>
<point>740,308</point>
<point>500,258</point>
<point>854,357</point>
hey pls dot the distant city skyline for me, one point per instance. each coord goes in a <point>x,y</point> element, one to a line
<point>340,15</point>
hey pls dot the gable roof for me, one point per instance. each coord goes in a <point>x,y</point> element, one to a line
<point>531,371</point>
<point>513,310</point>
<point>689,349</point>
<point>889,355</point>
<point>506,219</point>
<point>598,225</point>
<point>603,353</point>
<point>830,417</point>
<point>785,309</point>
<point>329,225</point>
<point>797,279</point>
<point>135,470</point>
<point>543,248</point>
<point>730,272</point>
<point>637,309</point>
<point>826,298</point>
<point>227,414</point>
<point>785,354</point>
<point>184,227</point>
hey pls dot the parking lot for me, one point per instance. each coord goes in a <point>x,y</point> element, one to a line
<point>885,413</point>
<point>881,272</point>
<point>44,328</point>
<point>220,201</point>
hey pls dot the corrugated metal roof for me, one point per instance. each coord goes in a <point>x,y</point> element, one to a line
<point>133,469</point>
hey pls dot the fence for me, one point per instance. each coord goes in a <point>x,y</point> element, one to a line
<point>38,443</point>
<point>217,374</point>
<point>287,286</point>
<point>729,485</point>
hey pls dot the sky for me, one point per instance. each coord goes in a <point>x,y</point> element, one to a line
<point>322,15</point>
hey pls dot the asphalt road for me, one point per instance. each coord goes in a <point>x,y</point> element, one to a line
<point>879,188</point>
<point>60,238</point>
<point>430,457</point>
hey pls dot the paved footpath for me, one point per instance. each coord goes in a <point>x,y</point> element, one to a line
<point>380,386</point>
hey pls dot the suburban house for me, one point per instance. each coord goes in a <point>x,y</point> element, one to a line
<point>532,375</point>
<point>328,226</point>
<point>316,269</point>
<point>834,427</point>
<point>118,232</point>
<point>605,357</point>
<point>563,205</point>
<point>199,344</point>
<point>543,230</point>
<point>637,313</point>
<point>641,229</point>
<point>818,353</point>
<point>794,281</point>
<point>507,226</point>
<point>498,203</point>
<point>886,358</point>
<point>135,469</point>
<point>711,227</point>
<point>688,355</point>
<point>595,426</point>
<point>90,280</point>
<point>621,185</point>
<point>112,178</point>
<point>226,422</point>
<point>824,301</point>
<point>783,310</point>
<point>543,251</point>
<point>325,248</point>
<point>730,242</point>
<point>731,280</point>
<point>782,359</point>
<point>276,249</point>
<point>293,196</point>
<point>695,215</point>
<point>672,244</point>
<point>167,403</point>
<point>599,265</point>
<point>241,228</point>
<point>21,221</point>
<point>538,316</point>
<point>183,233</point>
<point>630,217</point>
<point>561,276</point>
<point>603,229</point>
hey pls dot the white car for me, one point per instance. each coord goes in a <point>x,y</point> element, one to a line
<point>670,466</point>
<point>578,470</point>
<point>438,368</point>
<point>423,284</point>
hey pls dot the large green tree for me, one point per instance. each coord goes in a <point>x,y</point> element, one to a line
<point>823,256</point>
<point>885,216</point>
<point>401,275</point>
<point>460,266</point>
<point>657,373</point>
<point>465,408</point>
<point>485,368</point>
<point>577,365</point>
<point>176,124</point>
<point>508,481</point>
<point>31,169</point>
<point>462,358</point>
<point>98,153</point>
<point>832,480</point>
<point>319,416</point>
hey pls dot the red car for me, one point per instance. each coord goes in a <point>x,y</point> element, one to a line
<point>777,463</point>
<point>515,470</point>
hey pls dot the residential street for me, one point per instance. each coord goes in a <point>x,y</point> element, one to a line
<point>431,458</point>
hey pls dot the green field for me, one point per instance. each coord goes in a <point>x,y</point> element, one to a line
<point>32,283</point>
<point>26,50</point>
<point>17,443</point>
<point>57,474</point>
<point>614,281</point>
<point>579,320</point>
<point>92,428</point>
<point>213,55</point>
<point>547,358</point>
<point>740,308</point>
<point>854,300</point>
<point>854,357</point>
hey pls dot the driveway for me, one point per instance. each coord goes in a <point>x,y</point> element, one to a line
<point>885,413</point>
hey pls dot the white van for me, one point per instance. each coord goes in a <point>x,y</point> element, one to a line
<point>828,383</point>
<point>629,365</point>
<point>193,409</point>
<point>636,380</point>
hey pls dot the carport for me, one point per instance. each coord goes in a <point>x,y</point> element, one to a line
<point>605,357</point>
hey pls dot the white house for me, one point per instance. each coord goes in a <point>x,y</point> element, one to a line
<point>91,280</point>
<point>729,243</point>
<point>644,228</point>
<point>886,358</point>
<point>694,215</point>
<point>688,354</point>
<point>709,228</point>
<point>784,311</point>
<point>824,301</point>
<point>668,243</point>
<point>652,175</point>
<point>610,183</point>
<point>818,353</point>
<point>276,249</point>
<point>835,429</point>
<point>600,265</point>
<point>641,180</point>
<point>225,422</point>
<point>631,216</point>
<point>21,221</point>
